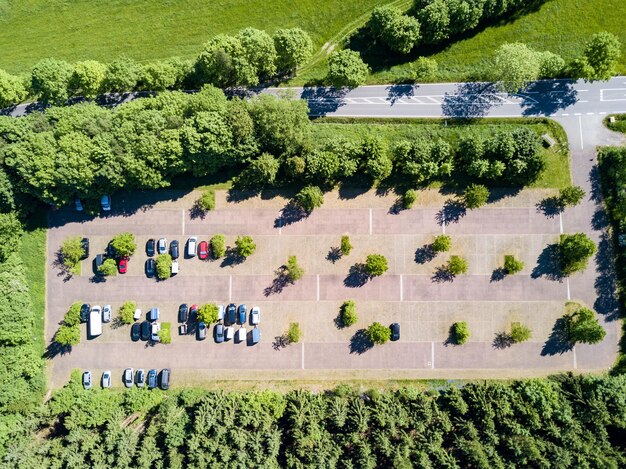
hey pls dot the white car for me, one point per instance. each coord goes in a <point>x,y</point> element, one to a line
<point>240,335</point>
<point>137,315</point>
<point>174,267</point>
<point>106,313</point>
<point>220,312</point>
<point>255,316</point>
<point>229,332</point>
<point>106,379</point>
<point>154,331</point>
<point>128,378</point>
<point>191,246</point>
<point>162,246</point>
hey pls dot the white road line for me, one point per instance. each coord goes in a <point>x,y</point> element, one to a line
<point>578,114</point>
<point>432,355</point>
<point>583,101</point>
<point>561,222</point>
<point>370,221</point>
<point>318,287</point>
<point>569,296</point>
<point>602,113</point>
<point>302,364</point>
<point>230,288</point>
<point>590,113</point>
<point>401,289</point>
<point>574,357</point>
<point>580,127</point>
<point>565,114</point>
<point>183,217</point>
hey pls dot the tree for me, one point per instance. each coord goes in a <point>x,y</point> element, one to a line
<point>224,62</point>
<point>346,69</point>
<point>574,252</point>
<point>72,316</point>
<point>218,246</point>
<point>10,234</point>
<point>424,69</point>
<point>158,76</point>
<point>376,265</point>
<point>457,265</point>
<point>127,312</point>
<point>261,171</point>
<point>309,198</point>
<point>460,332</point>
<point>378,333</point>
<point>571,195</point>
<point>208,313</point>
<point>50,80</point>
<point>520,333</point>
<point>122,75</point>
<point>163,266</point>
<point>124,244</point>
<point>348,314</point>
<point>88,78</point>
<point>294,271</point>
<point>260,51</point>
<point>12,90</point>
<point>165,333</point>
<point>550,65</point>
<point>516,65</point>
<point>72,252</point>
<point>512,265</point>
<point>67,335</point>
<point>244,245</point>
<point>399,32</point>
<point>475,196</point>
<point>206,202</point>
<point>108,268</point>
<point>293,47</point>
<point>442,243</point>
<point>434,19</point>
<point>378,165</point>
<point>600,58</point>
<point>409,198</point>
<point>345,245</point>
<point>294,333</point>
<point>582,326</point>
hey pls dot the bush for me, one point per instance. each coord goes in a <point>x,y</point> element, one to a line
<point>345,246</point>
<point>520,333</point>
<point>10,235</point>
<point>294,333</point>
<point>124,244</point>
<point>72,317</point>
<point>108,268</point>
<point>574,252</point>
<point>208,313</point>
<point>245,247</point>
<point>218,246</point>
<point>206,202</point>
<point>409,198</point>
<point>460,332</point>
<point>165,334</point>
<point>164,266</point>
<point>309,198</point>
<point>67,335</point>
<point>378,333</point>
<point>294,270</point>
<point>582,326</point>
<point>127,312</point>
<point>457,265</point>
<point>442,243</point>
<point>376,265</point>
<point>348,314</point>
<point>346,69</point>
<point>72,251</point>
<point>424,69</point>
<point>512,265</point>
<point>475,195</point>
<point>571,195</point>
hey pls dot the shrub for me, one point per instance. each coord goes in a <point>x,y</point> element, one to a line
<point>218,246</point>
<point>520,333</point>
<point>10,235</point>
<point>165,334</point>
<point>512,265</point>
<point>345,246</point>
<point>124,244</point>
<point>458,265</point>
<point>378,333</point>
<point>409,198</point>
<point>206,202</point>
<point>424,69</point>
<point>208,313</point>
<point>294,333</point>
<point>294,270</point>
<point>127,312</point>
<point>164,266</point>
<point>574,252</point>
<point>245,247</point>
<point>67,335</point>
<point>571,195</point>
<point>108,268</point>
<point>442,243</point>
<point>475,195</point>
<point>460,332</point>
<point>348,314</point>
<point>346,69</point>
<point>582,326</point>
<point>72,251</point>
<point>376,265</point>
<point>72,317</point>
<point>309,198</point>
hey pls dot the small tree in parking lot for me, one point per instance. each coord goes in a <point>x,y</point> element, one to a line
<point>457,265</point>
<point>459,332</point>
<point>244,246</point>
<point>206,202</point>
<point>570,196</point>
<point>409,198</point>
<point>512,265</point>
<point>309,198</point>
<point>218,246</point>
<point>108,268</point>
<point>520,332</point>
<point>574,252</point>
<point>442,243</point>
<point>582,326</point>
<point>164,266</point>
<point>124,244</point>
<point>475,195</point>
<point>72,317</point>
<point>294,333</point>
<point>293,271</point>
<point>378,333</point>
<point>127,312</point>
<point>208,313</point>
<point>348,314</point>
<point>165,334</point>
<point>72,251</point>
<point>376,265</point>
<point>67,335</point>
<point>345,246</point>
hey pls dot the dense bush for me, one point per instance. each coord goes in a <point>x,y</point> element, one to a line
<point>457,265</point>
<point>124,244</point>
<point>347,314</point>
<point>68,334</point>
<point>127,312</point>
<point>208,313</point>
<point>294,333</point>
<point>293,271</point>
<point>571,195</point>
<point>108,268</point>
<point>346,69</point>
<point>516,65</point>
<point>378,333</point>
<point>583,326</point>
<point>245,246</point>
<point>165,334</point>
<point>218,246</point>
<point>397,31</point>
<point>206,201</point>
<point>345,247</point>
<point>72,251</point>
<point>163,266</point>
<point>512,265</point>
<point>12,90</point>
<point>600,58</point>
<point>459,332</point>
<point>409,198</point>
<point>10,234</point>
<point>475,196</point>
<point>376,265</point>
<point>574,252</point>
<point>442,243</point>
<point>520,333</point>
<point>309,198</point>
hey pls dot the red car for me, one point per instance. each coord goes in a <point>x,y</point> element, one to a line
<point>203,250</point>
<point>193,313</point>
<point>123,265</point>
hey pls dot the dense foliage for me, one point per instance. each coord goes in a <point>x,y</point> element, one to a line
<point>512,265</point>
<point>208,313</point>
<point>347,314</point>
<point>376,265</point>
<point>458,265</point>
<point>441,243</point>
<point>459,333</point>
<point>218,246</point>
<point>574,252</point>
<point>163,266</point>
<point>346,69</point>
<point>293,270</point>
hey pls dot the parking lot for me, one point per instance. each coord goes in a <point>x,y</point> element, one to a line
<point>409,293</point>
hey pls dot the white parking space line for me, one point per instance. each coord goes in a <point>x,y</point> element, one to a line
<point>561,222</point>
<point>302,363</point>
<point>432,355</point>
<point>318,287</point>
<point>580,127</point>
<point>569,296</point>
<point>183,217</point>
<point>401,289</point>
<point>574,357</point>
<point>230,288</point>
<point>370,221</point>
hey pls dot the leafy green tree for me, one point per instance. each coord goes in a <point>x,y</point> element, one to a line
<point>72,316</point>
<point>348,313</point>
<point>165,334</point>
<point>294,47</point>
<point>88,78</point>
<point>206,202</point>
<point>224,62</point>
<point>550,65</point>
<point>378,333</point>
<point>582,326</point>
<point>345,245</point>
<point>571,195</point>
<point>475,196</point>
<point>520,332</point>
<point>424,69</point>
<point>399,32</point>
<point>244,245</point>
<point>67,335</point>
<point>309,198</point>
<point>218,246</point>
<point>10,234</point>
<point>124,244</point>
<point>376,265</point>
<point>409,198</point>
<point>378,165</point>
<point>12,90</point>
<point>423,160</point>
<point>295,167</point>
<point>516,65</point>
<point>512,265</point>
<point>346,69</point>
<point>7,193</point>
<point>442,243</point>
<point>158,76</point>
<point>122,75</point>
<point>600,59</point>
<point>294,271</point>
<point>460,332</point>
<point>434,19</point>
<point>163,266</point>
<point>574,252</point>
<point>50,80</point>
<point>208,313</point>
<point>457,265</point>
<point>261,171</point>
<point>259,50</point>
<point>108,268</point>
<point>127,312</point>
<point>72,252</point>
<point>294,333</point>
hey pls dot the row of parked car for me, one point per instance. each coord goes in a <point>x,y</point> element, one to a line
<point>130,378</point>
<point>227,317</point>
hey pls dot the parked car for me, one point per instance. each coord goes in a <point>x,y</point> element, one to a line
<point>106,379</point>
<point>135,332</point>
<point>201,330</point>
<point>220,312</point>
<point>85,309</point>
<point>152,379</point>
<point>145,330</point>
<point>99,261</point>
<point>87,380</point>
<point>128,378</point>
<point>203,250</point>
<point>94,327</point>
<point>106,313</point>
<point>193,313</point>
<point>110,251</point>
<point>150,267</point>
<point>85,244</point>
<point>191,247</point>
<point>231,314</point>
<point>123,265</point>
<point>242,314</point>
<point>140,378</point>
<point>255,316</point>
<point>78,204</point>
<point>255,336</point>
<point>105,201</point>
<point>395,331</point>
<point>219,333</point>
<point>174,249</point>
<point>153,314</point>
<point>150,247</point>
<point>154,332</point>
<point>229,333</point>
<point>162,246</point>
<point>137,314</point>
<point>183,313</point>
<point>165,379</point>
<point>240,335</point>
<point>174,267</point>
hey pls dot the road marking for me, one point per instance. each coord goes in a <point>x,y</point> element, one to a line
<point>574,357</point>
<point>590,113</point>
<point>318,287</point>
<point>569,296</point>
<point>561,222</point>
<point>577,114</point>
<point>370,221</point>
<point>565,114</point>
<point>401,289</point>
<point>602,113</point>
<point>583,101</point>
<point>230,288</point>
<point>432,355</point>
<point>302,364</point>
<point>580,127</point>
<point>183,217</point>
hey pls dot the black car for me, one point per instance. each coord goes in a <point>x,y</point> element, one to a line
<point>135,332</point>
<point>174,249</point>
<point>85,244</point>
<point>165,379</point>
<point>183,313</point>
<point>395,331</point>
<point>150,267</point>
<point>152,379</point>
<point>110,251</point>
<point>150,247</point>
<point>145,330</point>
<point>231,314</point>
<point>84,312</point>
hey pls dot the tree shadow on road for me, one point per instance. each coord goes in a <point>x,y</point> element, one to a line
<point>425,254</point>
<point>557,343</point>
<point>548,264</point>
<point>442,275</point>
<point>550,207</point>
<point>279,283</point>
<point>196,212</point>
<point>451,212</point>
<point>334,254</point>
<point>357,276</point>
<point>55,349</point>
<point>502,340</point>
<point>232,258</point>
<point>360,342</point>
<point>64,271</point>
<point>498,275</point>
<point>605,283</point>
<point>289,214</point>
<point>470,100</point>
<point>546,97</point>
<point>322,100</point>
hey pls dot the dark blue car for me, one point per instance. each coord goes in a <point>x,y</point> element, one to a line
<point>242,314</point>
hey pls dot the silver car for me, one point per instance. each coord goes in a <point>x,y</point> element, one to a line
<point>255,316</point>
<point>87,380</point>
<point>106,313</point>
<point>140,377</point>
<point>106,379</point>
<point>191,247</point>
<point>162,246</point>
<point>128,378</point>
